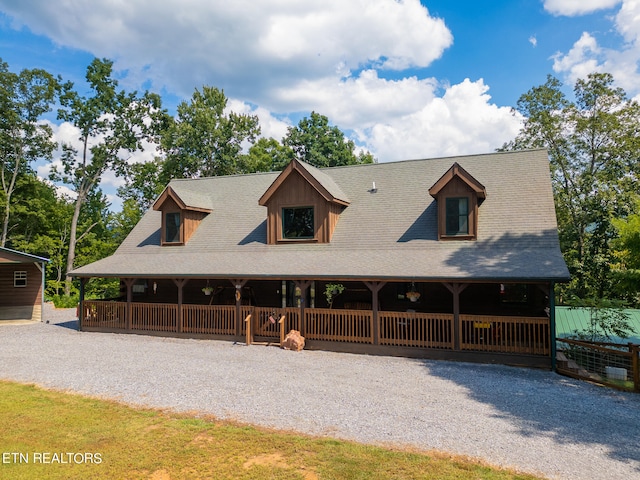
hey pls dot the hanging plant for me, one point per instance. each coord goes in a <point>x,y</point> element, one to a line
<point>331,291</point>
<point>412,294</point>
<point>208,289</point>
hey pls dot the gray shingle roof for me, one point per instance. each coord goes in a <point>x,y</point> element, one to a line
<point>391,233</point>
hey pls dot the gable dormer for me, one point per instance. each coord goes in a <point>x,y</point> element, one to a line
<point>458,195</point>
<point>181,215</point>
<point>303,205</point>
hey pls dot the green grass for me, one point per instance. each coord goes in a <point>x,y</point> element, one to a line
<point>135,443</point>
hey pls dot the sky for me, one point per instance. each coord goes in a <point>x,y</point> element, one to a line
<point>404,79</point>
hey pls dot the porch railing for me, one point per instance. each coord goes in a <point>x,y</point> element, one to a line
<point>528,335</point>
<point>515,335</point>
<point>205,319</point>
<point>409,329</point>
<point>355,326</point>
<point>105,314</point>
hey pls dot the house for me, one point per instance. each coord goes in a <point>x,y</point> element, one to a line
<point>443,258</point>
<point>22,291</point>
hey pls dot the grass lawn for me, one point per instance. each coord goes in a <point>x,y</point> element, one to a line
<point>49,434</point>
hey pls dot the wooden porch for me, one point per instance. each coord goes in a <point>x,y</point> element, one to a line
<point>482,338</point>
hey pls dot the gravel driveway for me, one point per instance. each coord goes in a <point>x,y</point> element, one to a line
<point>535,421</point>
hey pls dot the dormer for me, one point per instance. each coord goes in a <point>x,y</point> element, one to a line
<point>303,205</point>
<point>181,215</point>
<point>458,195</point>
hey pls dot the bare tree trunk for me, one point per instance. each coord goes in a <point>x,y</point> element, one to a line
<point>71,255</point>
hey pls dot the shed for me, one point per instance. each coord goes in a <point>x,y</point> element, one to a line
<point>21,286</point>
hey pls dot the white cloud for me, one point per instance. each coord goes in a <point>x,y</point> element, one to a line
<point>581,60</point>
<point>358,102</point>
<point>577,7</point>
<point>462,121</point>
<point>250,47</point>
<point>587,56</point>
<point>533,41</point>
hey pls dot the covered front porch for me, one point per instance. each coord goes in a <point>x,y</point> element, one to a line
<point>480,322</point>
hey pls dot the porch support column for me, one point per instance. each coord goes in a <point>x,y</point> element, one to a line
<point>303,285</point>
<point>375,288</point>
<point>81,304</point>
<point>238,283</point>
<point>180,283</point>
<point>456,289</point>
<point>128,282</point>
<point>548,290</point>
<point>552,326</point>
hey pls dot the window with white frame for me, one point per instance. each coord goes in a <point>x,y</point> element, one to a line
<point>20,278</point>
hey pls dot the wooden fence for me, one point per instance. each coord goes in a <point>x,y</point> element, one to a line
<point>611,364</point>
<point>480,333</point>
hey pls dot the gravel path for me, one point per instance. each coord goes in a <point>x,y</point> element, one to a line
<point>531,420</point>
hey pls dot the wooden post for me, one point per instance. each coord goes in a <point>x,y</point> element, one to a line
<point>238,284</point>
<point>456,289</point>
<point>180,283</point>
<point>282,334</point>
<point>247,321</point>
<point>552,326</point>
<point>128,282</point>
<point>303,285</point>
<point>81,303</point>
<point>635,365</point>
<point>375,287</point>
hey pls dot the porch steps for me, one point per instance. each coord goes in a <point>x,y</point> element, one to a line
<point>563,363</point>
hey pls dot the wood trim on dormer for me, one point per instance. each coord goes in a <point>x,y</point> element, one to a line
<point>456,171</point>
<point>301,186</point>
<point>458,195</point>
<point>306,172</point>
<point>190,216</point>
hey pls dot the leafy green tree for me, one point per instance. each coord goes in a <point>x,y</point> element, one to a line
<point>314,141</point>
<point>40,225</point>
<point>205,139</point>
<point>145,182</point>
<point>626,269</point>
<point>24,98</point>
<point>112,124</point>
<point>266,155</point>
<point>593,148</point>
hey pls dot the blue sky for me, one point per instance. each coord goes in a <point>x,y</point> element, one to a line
<point>404,79</point>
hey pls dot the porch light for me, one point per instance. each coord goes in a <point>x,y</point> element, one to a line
<point>413,294</point>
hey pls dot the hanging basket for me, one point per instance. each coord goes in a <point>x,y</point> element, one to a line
<point>413,296</point>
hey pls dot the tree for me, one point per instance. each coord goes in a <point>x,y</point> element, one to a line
<point>266,155</point>
<point>206,140</point>
<point>24,98</point>
<point>626,269</point>
<point>316,142</point>
<point>593,149</point>
<point>144,184</point>
<point>112,124</point>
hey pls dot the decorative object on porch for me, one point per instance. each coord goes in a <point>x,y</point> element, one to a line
<point>412,294</point>
<point>331,291</point>
<point>208,289</point>
<point>293,341</point>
